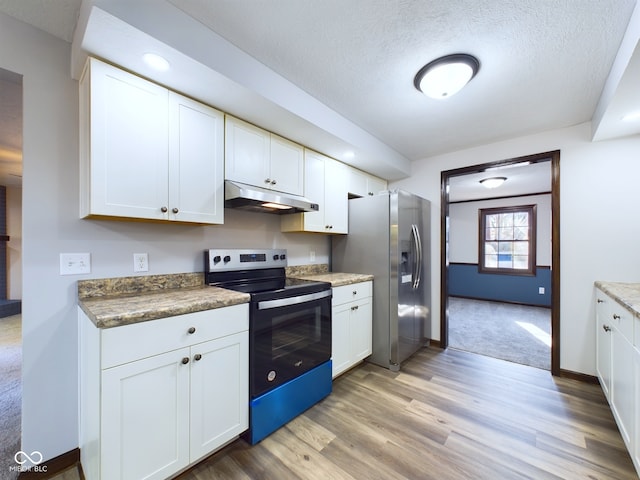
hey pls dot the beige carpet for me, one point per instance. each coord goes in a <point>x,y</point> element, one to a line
<point>10,392</point>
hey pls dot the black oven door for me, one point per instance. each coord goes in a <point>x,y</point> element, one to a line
<point>288,337</point>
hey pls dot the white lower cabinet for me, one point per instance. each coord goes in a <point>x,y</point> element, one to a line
<point>351,327</point>
<point>635,452</point>
<point>157,396</point>
<point>618,368</point>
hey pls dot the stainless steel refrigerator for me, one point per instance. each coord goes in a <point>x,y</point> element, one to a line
<point>389,238</point>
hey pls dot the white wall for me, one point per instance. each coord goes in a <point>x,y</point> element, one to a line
<point>463,227</point>
<point>14,246</point>
<point>50,225</point>
<point>600,227</point>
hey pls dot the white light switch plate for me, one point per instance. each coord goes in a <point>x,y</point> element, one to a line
<point>75,263</point>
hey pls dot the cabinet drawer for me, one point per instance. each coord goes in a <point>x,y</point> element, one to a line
<point>622,319</point>
<point>349,293</point>
<point>140,340</point>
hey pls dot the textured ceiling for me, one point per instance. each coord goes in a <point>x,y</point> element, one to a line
<point>544,63</point>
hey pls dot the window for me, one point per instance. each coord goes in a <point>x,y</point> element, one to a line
<point>508,240</point>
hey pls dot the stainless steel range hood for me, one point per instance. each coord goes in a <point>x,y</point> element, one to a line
<point>256,199</point>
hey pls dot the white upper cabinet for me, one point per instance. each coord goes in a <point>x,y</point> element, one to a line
<point>196,168</point>
<point>144,151</point>
<point>257,157</point>
<point>361,184</point>
<point>326,184</point>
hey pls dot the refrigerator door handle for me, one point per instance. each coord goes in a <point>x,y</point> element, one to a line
<point>417,241</point>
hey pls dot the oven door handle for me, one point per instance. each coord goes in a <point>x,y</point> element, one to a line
<point>284,302</point>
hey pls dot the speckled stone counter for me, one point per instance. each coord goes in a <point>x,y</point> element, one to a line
<point>338,279</point>
<point>113,302</point>
<point>626,294</point>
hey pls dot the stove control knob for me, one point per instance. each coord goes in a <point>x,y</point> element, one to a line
<point>227,258</point>
<point>276,257</point>
<point>216,259</point>
<point>282,257</point>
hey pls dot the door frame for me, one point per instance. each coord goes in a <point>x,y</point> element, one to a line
<point>554,158</point>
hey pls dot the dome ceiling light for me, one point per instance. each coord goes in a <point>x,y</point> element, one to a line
<point>492,182</point>
<point>446,75</point>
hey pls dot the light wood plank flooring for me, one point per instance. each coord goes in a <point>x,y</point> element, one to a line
<point>446,415</point>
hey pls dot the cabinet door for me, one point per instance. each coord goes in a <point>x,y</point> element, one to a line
<point>375,185</point>
<point>247,151</point>
<point>340,339</point>
<point>622,386</point>
<point>145,417</point>
<point>196,167</point>
<point>336,197</point>
<point>357,182</point>
<point>126,159</point>
<point>314,182</point>
<point>219,392</point>
<point>287,166</point>
<point>603,343</point>
<point>361,330</point>
<point>635,453</point>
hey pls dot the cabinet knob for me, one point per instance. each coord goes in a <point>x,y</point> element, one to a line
<point>273,182</point>
<point>616,316</point>
<point>174,210</point>
<point>600,301</point>
<point>355,292</point>
<point>355,307</point>
<point>164,209</point>
<point>192,330</point>
<point>267,180</point>
<point>185,360</point>
<point>606,328</point>
<point>370,193</point>
<point>197,357</point>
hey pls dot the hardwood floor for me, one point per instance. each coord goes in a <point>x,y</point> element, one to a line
<point>445,415</point>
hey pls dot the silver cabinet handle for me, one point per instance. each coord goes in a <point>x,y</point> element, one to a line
<point>175,210</point>
<point>355,307</point>
<point>164,209</point>
<point>192,330</point>
<point>273,182</point>
<point>606,328</point>
<point>616,316</point>
<point>267,180</point>
<point>600,301</point>
<point>197,356</point>
<point>185,360</point>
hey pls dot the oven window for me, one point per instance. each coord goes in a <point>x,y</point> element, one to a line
<point>295,331</point>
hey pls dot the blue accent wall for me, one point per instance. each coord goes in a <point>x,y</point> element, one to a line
<point>465,281</point>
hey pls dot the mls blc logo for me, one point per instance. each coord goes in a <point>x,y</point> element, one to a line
<point>23,457</point>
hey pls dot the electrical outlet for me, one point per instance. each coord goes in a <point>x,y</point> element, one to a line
<point>312,256</point>
<point>140,262</point>
<point>541,290</point>
<point>75,263</point>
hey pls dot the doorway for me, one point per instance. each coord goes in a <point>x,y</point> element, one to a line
<point>447,269</point>
<point>11,94</point>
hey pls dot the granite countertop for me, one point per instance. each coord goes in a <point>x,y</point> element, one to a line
<point>337,279</point>
<point>626,294</point>
<point>115,302</point>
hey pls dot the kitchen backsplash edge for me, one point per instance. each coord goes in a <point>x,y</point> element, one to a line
<point>103,287</point>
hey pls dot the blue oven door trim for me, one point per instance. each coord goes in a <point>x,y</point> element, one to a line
<point>270,411</point>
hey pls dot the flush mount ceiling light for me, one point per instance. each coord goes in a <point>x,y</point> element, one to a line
<point>156,62</point>
<point>446,75</point>
<point>493,182</point>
